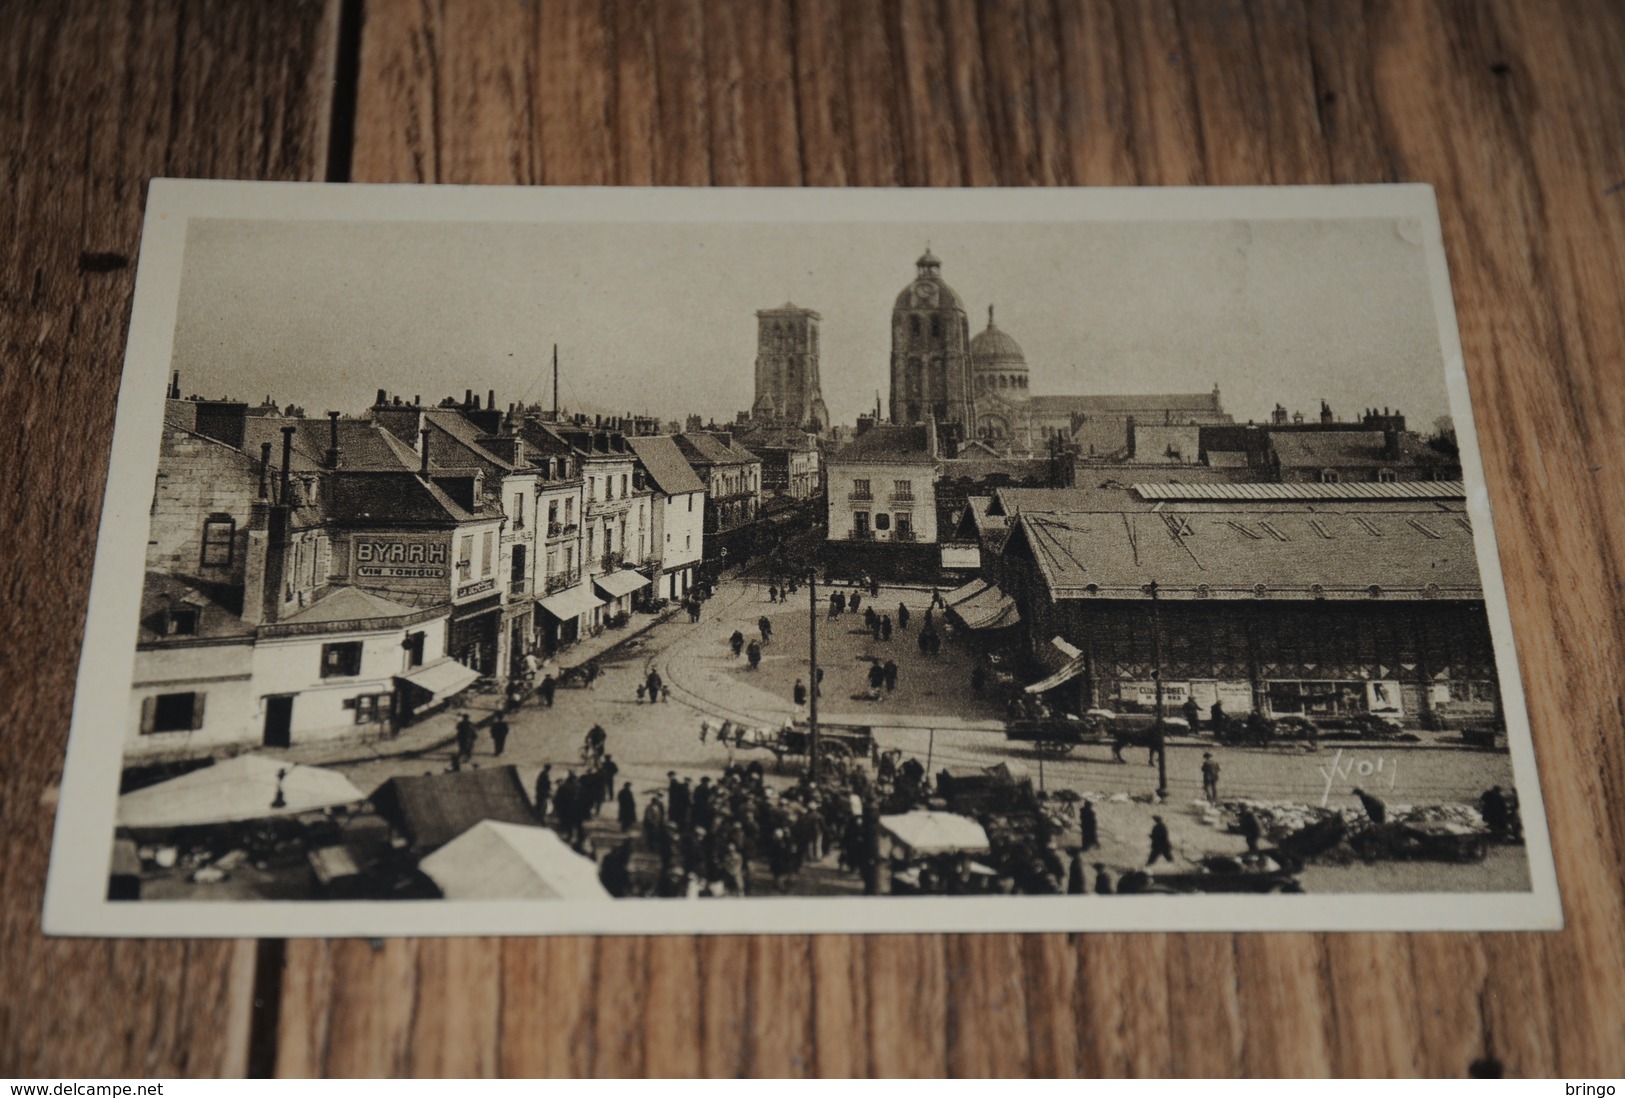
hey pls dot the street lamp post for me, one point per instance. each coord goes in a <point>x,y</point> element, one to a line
<point>812,673</point>
<point>1156,679</point>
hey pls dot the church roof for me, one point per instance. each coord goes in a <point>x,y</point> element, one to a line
<point>1154,405</point>
<point>929,269</point>
<point>995,348</point>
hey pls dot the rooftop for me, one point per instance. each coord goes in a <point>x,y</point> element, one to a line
<point>1342,449</point>
<point>887,443</point>
<point>670,471</point>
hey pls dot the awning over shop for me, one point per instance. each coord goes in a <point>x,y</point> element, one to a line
<point>248,787</point>
<point>1074,667</point>
<point>434,809</point>
<point>624,582</point>
<point>571,602</point>
<point>988,609</point>
<point>502,861</point>
<point>443,678</point>
<point>927,832</point>
<point>960,594</point>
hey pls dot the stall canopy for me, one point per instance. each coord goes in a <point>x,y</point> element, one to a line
<point>969,590</point>
<point>624,582</point>
<point>988,609</point>
<point>927,832</point>
<point>434,809</point>
<point>1071,670</point>
<point>442,679</point>
<point>501,861</point>
<point>243,788</point>
<point>571,602</point>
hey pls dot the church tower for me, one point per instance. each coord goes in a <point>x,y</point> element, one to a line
<point>930,352</point>
<point>787,386</point>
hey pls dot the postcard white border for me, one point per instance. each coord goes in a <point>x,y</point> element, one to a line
<point>76,904</point>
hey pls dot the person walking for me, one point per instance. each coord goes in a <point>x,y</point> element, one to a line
<point>1216,717</point>
<point>1076,879</point>
<point>1103,880</point>
<point>499,735</point>
<point>765,628</point>
<point>1160,845</point>
<point>1193,714</point>
<point>852,602</point>
<point>544,791</point>
<point>874,587</point>
<point>465,738</point>
<point>874,625</point>
<point>799,693</point>
<point>628,807</point>
<point>772,593</point>
<point>549,686</point>
<point>978,678</point>
<point>885,627</point>
<point>753,655</point>
<point>676,800</point>
<point>654,682</point>
<point>737,643</point>
<point>1210,778</point>
<point>877,675</point>
<point>606,778</point>
<point>902,617</point>
<point>889,670</point>
<point>1088,825</point>
<point>837,604</point>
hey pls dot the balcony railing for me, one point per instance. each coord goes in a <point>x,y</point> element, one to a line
<point>561,529</point>
<point>613,561</point>
<point>869,496</point>
<point>863,535</point>
<point>517,587</point>
<point>905,535</point>
<point>562,580</point>
<point>902,497</point>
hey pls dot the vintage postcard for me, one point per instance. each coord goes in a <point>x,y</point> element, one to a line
<point>548,560</point>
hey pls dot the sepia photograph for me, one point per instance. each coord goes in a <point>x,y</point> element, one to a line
<point>529,561</point>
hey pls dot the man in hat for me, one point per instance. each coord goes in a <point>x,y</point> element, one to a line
<point>628,806</point>
<point>465,738</point>
<point>544,791</point>
<point>499,735</point>
<point>1210,778</point>
<point>1088,826</point>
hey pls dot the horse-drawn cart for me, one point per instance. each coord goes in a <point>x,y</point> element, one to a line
<point>839,745</point>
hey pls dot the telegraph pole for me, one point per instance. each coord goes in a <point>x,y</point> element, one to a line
<point>1156,678</point>
<point>555,383</point>
<point>812,673</point>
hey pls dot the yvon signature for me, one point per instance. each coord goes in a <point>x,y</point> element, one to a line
<point>1367,770</point>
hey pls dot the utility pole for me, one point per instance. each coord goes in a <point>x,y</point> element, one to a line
<point>1156,678</point>
<point>555,383</point>
<point>812,673</point>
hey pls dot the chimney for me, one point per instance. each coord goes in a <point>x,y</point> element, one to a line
<point>468,398</point>
<point>283,490</point>
<point>265,470</point>
<point>1132,443</point>
<point>175,387</point>
<point>423,465</point>
<point>333,450</point>
<point>491,399</point>
<point>383,398</point>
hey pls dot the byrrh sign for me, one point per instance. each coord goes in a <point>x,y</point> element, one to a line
<point>400,558</point>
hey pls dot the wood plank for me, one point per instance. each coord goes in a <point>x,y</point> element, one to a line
<point>99,98</point>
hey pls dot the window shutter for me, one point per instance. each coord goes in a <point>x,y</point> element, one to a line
<point>197,711</point>
<point>324,560</point>
<point>149,714</point>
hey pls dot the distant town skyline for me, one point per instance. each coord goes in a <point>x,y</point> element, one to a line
<point>660,319</point>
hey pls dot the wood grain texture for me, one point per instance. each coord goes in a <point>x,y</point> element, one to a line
<point>94,100</point>
<point>1511,108</point>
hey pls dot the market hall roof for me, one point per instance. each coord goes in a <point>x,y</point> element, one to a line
<point>1294,551</point>
<point>1364,490</point>
<point>670,471</point>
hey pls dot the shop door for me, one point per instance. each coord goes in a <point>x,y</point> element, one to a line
<point>279,721</point>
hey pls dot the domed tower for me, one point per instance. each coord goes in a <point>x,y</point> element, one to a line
<point>998,368</point>
<point>930,351</point>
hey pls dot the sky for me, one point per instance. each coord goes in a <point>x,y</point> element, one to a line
<point>660,318</point>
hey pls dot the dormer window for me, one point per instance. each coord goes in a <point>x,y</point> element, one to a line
<point>181,621</point>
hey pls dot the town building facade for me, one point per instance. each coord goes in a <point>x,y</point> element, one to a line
<point>678,509</point>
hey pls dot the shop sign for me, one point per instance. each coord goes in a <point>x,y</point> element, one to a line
<point>478,587</point>
<point>386,557</point>
<point>1145,693</point>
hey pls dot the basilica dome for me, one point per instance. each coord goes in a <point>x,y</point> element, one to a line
<point>997,362</point>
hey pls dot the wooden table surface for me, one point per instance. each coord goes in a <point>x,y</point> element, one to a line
<point>1513,109</point>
